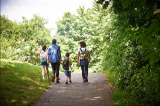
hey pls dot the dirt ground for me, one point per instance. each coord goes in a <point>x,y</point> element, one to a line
<point>95,92</point>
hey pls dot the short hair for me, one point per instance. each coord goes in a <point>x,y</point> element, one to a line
<point>82,43</point>
<point>54,41</point>
<point>44,47</point>
<point>67,54</point>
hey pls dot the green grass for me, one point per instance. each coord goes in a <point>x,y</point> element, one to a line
<point>119,97</point>
<point>21,83</point>
<point>111,76</point>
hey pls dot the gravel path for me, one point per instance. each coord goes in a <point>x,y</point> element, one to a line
<point>95,92</point>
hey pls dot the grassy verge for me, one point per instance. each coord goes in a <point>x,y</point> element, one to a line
<point>21,83</point>
<point>119,97</point>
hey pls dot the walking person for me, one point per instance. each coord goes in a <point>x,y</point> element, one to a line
<point>43,59</point>
<point>54,55</point>
<point>84,57</point>
<point>67,62</point>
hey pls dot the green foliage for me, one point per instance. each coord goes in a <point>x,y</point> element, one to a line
<point>83,27</point>
<point>22,41</point>
<point>133,48</point>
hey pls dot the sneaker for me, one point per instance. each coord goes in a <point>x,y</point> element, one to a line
<point>66,82</point>
<point>70,81</point>
<point>43,78</point>
<point>84,80</point>
<point>53,77</point>
<point>48,77</point>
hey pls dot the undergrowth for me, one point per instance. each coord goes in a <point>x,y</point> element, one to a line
<point>120,97</point>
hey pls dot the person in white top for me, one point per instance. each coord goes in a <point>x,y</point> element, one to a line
<point>44,63</point>
<point>84,57</point>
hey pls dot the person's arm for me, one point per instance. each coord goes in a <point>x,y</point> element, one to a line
<point>60,61</point>
<point>89,56</point>
<point>59,54</point>
<point>48,53</point>
<point>47,57</point>
<point>70,62</point>
<point>38,52</point>
<point>78,58</point>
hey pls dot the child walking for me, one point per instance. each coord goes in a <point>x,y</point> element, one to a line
<point>43,59</point>
<point>67,67</point>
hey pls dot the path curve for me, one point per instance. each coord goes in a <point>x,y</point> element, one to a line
<point>95,92</point>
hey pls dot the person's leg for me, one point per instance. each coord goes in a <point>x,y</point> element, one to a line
<point>57,69</point>
<point>46,64</point>
<point>70,77</point>
<point>86,73</point>
<point>57,72</point>
<point>86,70</point>
<point>66,79</point>
<point>83,74</point>
<point>53,68</point>
<point>66,75</point>
<point>47,72</point>
<point>43,68</point>
<point>53,71</point>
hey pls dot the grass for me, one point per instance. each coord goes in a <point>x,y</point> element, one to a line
<point>21,83</point>
<point>119,97</point>
<point>111,76</point>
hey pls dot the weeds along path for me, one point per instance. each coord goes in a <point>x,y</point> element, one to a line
<point>96,92</point>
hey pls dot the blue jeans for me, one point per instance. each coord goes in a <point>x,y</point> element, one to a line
<point>84,71</point>
<point>68,73</point>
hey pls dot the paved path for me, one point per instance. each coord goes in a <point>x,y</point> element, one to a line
<point>95,92</point>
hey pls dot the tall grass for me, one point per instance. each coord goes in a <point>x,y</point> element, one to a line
<point>21,83</point>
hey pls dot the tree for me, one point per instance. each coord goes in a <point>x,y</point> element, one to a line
<point>21,41</point>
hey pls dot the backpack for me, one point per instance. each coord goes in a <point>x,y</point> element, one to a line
<point>83,57</point>
<point>43,57</point>
<point>65,64</point>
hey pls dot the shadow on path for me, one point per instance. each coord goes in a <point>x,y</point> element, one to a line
<point>95,92</point>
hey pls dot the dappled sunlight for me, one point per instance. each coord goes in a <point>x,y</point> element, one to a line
<point>100,89</point>
<point>7,66</point>
<point>16,101</point>
<point>93,98</point>
<point>61,91</point>
<point>21,83</point>
<point>24,102</point>
<point>98,97</point>
<point>40,88</point>
<point>94,92</point>
<point>29,79</point>
<point>11,61</point>
<point>13,100</point>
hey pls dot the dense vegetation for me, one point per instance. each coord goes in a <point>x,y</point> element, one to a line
<point>21,41</point>
<point>122,36</point>
<point>134,50</point>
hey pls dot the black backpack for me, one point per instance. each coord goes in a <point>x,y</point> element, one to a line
<point>66,64</point>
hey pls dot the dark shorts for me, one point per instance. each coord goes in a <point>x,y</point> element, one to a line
<point>44,63</point>
<point>68,73</point>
